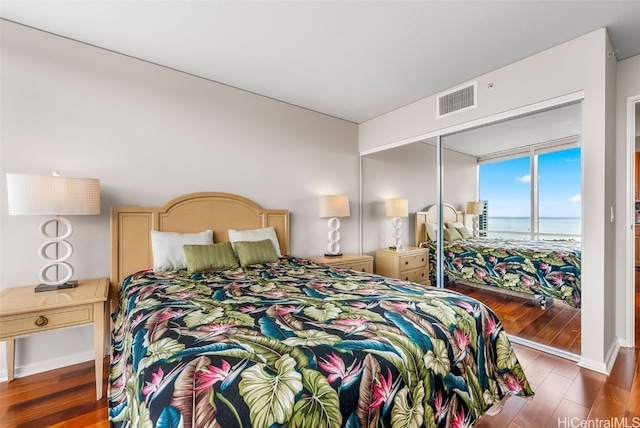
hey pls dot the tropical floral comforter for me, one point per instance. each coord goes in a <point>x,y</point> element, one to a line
<point>298,344</point>
<point>546,268</point>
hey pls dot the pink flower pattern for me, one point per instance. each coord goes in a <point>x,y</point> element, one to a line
<point>382,388</point>
<point>151,387</point>
<point>208,376</point>
<point>336,368</point>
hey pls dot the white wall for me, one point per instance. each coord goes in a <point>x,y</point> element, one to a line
<point>150,134</point>
<point>580,66</point>
<point>628,85</point>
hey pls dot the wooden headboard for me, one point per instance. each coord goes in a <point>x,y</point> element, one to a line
<point>449,215</point>
<point>131,226</point>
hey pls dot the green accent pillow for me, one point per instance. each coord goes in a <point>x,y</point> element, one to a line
<point>464,232</point>
<point>450,234</point>
<point>207,257</point>
<point>255,252</point>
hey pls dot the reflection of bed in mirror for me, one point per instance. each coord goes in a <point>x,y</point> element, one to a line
<point>541,269</point>
<point>284,341</point>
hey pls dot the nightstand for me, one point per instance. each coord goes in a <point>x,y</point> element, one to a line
<point>410,264</point>
<point>363,263</point>
<point>24,312</point>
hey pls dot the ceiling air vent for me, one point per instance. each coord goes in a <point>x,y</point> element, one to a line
<point>456,100</point>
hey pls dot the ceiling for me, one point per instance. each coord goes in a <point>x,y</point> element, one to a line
<point>353,60</point>
<point>557,125</point>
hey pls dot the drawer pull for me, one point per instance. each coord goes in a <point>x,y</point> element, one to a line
<point>406,262</point>
<point>422,259</point>
<point>42,321</point>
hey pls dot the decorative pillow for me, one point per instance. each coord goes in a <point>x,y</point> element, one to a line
<point>455,225</point>
<point>464,232</point>
<point>212,256</point>
<point>432,231</point>
<point>168,253</point>
<point>256,252</point>
<point>450,234</point>
<point>255,235</point>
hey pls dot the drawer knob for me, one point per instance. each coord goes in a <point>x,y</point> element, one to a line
<point>406,262</point>
<point>422,259</point>
<point>42,321</point>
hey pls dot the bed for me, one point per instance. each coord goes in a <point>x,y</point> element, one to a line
<point>286,341</point>
<point>544,270</point>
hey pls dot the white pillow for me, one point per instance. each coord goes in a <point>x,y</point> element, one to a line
<point>168,253</point>
<point>255,235</point>
<point>455,225</point>
<point>432,231</point>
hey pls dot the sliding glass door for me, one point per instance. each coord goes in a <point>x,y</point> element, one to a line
<point>505,191</point>
<point>532,195</point>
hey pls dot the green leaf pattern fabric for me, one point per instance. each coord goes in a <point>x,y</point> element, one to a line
<point>546,268</point>
<point>297,344</point>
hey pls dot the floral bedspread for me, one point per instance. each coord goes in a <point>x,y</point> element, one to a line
<point>298,344</point>
<point>548,268</point>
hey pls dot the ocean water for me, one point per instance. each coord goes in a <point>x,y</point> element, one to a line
<point>562,228</point>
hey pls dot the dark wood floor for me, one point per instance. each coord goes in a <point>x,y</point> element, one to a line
<point>557,326</point>
<point>66,397</point>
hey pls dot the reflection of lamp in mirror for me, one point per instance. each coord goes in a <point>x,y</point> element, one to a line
<point>474,209</point>
<point>333,206</point>
<point>397,209</point>
<point>53,195</point>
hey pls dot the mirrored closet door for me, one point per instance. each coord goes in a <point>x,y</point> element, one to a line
<point>511,212</point>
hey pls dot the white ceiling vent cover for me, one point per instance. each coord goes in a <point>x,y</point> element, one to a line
<point>457,100</point>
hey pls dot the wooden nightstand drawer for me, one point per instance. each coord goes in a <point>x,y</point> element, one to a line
<point>410,262</point>
<point>362,263</point>
<point>419,275</point>
<point>360,266</point>
<point>17,325</point>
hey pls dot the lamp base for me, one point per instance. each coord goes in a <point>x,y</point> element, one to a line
<point>332,255</point>
<point>47,287</point>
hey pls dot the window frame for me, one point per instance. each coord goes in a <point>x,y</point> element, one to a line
<point>533,151</point>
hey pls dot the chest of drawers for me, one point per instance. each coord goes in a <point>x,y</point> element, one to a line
<point>410,264</point>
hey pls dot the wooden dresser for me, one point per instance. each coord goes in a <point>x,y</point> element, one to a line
<point>410,264</point>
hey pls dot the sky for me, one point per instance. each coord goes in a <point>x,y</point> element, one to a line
<point>506,185</point>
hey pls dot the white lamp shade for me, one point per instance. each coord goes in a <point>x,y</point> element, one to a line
<point>396,207</point>
<point>52,195</point>
<point>333,206</point>
<point>474,208</point>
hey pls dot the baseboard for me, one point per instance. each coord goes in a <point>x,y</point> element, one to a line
<point>625,343</point>
<point>606,366</point>
<point>43,366</point>
<point>544,348</point>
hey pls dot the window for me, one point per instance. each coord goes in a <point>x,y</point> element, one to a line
<point>559,192</point>
<point>505,185</point>
<point>533,195</point>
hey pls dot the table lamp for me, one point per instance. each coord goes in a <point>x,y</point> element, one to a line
<point>474,209</point>
<point>53,196</point>
<point>333,206</point>
<point>397,209</point>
